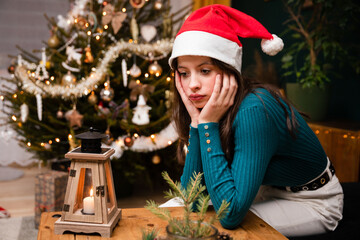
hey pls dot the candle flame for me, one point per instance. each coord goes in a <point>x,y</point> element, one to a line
<point>91,192</point>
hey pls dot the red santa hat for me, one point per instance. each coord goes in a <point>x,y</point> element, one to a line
<point>213,31</point>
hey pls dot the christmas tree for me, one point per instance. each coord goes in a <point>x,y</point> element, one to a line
<point>104,66</point>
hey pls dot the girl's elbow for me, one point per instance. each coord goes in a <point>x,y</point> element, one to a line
<point>230,223</point>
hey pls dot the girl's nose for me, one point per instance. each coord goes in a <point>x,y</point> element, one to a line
<point>194,83</point>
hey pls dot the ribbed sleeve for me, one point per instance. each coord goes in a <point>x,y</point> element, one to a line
<point>193,157</point>
<point>256,141</point>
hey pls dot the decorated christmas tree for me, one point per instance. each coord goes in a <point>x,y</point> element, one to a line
<point>104,66</point>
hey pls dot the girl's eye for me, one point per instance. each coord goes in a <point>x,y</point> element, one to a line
<point>182,74</point>
<point>205,71</point>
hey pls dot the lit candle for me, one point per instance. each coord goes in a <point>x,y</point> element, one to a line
<point>88,203</point>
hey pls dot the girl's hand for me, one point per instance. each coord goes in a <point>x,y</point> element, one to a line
<point>192,110</point>
<point>222,98</point>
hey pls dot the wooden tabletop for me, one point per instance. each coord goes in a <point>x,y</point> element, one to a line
<point>135,219</point>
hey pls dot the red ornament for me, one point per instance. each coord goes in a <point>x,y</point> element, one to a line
<point>128,141</point>
<point>137,3</point>
<point>11,69</point>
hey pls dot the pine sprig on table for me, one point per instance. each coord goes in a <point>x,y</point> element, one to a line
<point>192,195</point>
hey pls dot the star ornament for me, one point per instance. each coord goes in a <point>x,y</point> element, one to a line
<point>74,118</point>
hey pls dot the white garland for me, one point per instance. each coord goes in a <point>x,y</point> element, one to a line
<point>164,138</point>
<point>161,47</point>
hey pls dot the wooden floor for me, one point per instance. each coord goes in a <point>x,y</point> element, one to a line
<point>18,196</point>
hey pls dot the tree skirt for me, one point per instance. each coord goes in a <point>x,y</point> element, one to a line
<point>8,173</point>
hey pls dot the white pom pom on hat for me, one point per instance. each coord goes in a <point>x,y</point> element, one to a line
<point>272,46</point>
<point>214,31</point>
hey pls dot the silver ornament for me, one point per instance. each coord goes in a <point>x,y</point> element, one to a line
<point>107,94</point>
<point>24,109</point>
<point>68,79</point>
<point>135,71</point>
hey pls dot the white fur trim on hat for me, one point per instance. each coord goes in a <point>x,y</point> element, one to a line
<point>272,46</point>
<point>199,43</point>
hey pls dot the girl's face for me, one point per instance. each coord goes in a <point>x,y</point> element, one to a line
<point>197,77</point>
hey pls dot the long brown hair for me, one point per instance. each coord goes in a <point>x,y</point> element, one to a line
<point>245,86</point>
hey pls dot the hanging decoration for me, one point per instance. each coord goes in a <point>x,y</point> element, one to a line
<point>59,114</point>
<point>158,4</point>
<point>148,32</point>
<point>11,69</point>
<point>116,18</point>
<point>137,3</point>
<point>88,56</point>
<point>68,79</point>
<point>53,41</point>
<point>107,93</point>
<point>39,105</point>
<point>135,71</point>
<point>141,112</point>
<point>24,111</point>
<point>74,117</point>
<point>162,48</point>
<point>134,29</point>
<point>155,69</point>
<point>124,72</point>
<point>124,107</point>
<point>41,72</point>
<point>156,159</point>
<point>128,140</point>
<point>92,99</point>
<point>138,88</point>
<point>73,54</point>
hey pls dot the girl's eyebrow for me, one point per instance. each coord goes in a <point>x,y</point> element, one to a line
<point>203,63</point>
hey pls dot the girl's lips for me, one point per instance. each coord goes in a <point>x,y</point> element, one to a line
<point>196,97</point>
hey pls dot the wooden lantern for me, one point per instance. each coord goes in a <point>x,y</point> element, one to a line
<point>90,201</point>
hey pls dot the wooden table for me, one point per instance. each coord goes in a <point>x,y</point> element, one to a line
<point>135,219</point>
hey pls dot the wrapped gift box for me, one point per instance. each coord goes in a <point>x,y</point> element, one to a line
<point>50,188</point>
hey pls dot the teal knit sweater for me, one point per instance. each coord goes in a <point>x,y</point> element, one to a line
<point>264,154</point>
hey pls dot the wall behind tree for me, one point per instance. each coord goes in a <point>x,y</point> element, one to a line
<point>344,103</point>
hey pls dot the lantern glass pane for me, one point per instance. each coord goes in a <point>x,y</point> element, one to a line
<point>109,188</point>
<point>84,203</point>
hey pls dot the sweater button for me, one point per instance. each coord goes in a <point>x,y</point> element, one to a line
<point>206,127</point>
<point>207,134</point>
<point>209,149</point>
<point>208,141</point>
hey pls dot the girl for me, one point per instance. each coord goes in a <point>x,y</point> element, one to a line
<point>255,150</point>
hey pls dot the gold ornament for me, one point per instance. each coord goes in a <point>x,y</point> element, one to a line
<point>128,141</point>
<point>155,69</point>
<point>88,56</point>
<point>92,98</point>
<point>158,4</point>
<point>156,159</point>
<point>53,41</point>
<point>68,79</point>
<point>60,114</point>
